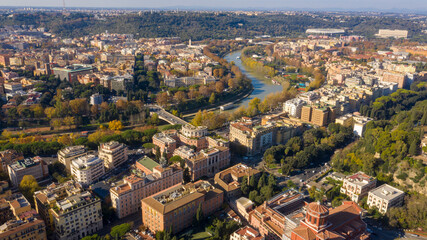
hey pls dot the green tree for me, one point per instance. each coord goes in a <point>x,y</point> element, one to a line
<point>414,148</point>
<point>212,99</point>
<point>120,230</point>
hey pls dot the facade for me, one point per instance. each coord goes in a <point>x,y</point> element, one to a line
<point>341,223</point>
<point>76,216</point>
<point>12,87</point>
<point>188,81</point>
<point>254,139</point>
<point>166,142</point>
<point>293,107</point>
<point>113,154</point>
<point>229,179</point>
<point>387,33</point>
<point>47,198</point>
<point>208,162</point>
<point>384,197</point>
<point>246,233</point>
<point>251,137</point>
<point>96,99</point>
<point>243,206</point>
<point>87,169</point>
<point>19,205</point>
<point>68,154</point>
<point>70,73</point>
<point>127,194</point>
<point>23,230</point>
<point>8,157</point>
<point>395,77</point>
<point>176,207</point>
<point>359,125</point>
<point>29,166</point>
<point>358,185</point>
<point>196,136</point>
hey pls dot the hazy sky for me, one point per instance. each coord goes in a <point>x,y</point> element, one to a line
<point>245,4</point>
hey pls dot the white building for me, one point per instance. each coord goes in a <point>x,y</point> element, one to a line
<point>113,154</point>
<point>387,33</point>
<point>293,107</point>
<point>96,99</point>
<point>385,197</point>
<point>68,154</point>
<point>359,125</point>
<point>87,169</point>
<point>358,185</point>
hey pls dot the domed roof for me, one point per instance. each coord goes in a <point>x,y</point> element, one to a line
<point>316,207</point>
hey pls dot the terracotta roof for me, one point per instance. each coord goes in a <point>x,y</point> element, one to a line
<point>304,232</point>
<point>318,208</point>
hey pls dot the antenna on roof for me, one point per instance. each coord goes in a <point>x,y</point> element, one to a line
<point>63,5</point>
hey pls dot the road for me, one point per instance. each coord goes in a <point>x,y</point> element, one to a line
<point>380,233</point>
<point>164,115</point>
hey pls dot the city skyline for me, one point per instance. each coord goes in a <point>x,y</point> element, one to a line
<point>363,5</point>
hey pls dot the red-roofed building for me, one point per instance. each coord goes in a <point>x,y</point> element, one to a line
<point>341,223</point>
<point>246,233</point>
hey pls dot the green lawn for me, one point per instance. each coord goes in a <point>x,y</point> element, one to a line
<point>200,235</point>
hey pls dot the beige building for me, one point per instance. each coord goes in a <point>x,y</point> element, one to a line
<point>387,33</point>
<point>8,157</point>
<point>126,195</point>
<point>175,208</point>
<point>77,216</point>
<point>357,186</point>
<point>68,154</point>
<point>230,178</point>
<point>208,162</point>
<point>252,138</point>
<point>246,233</point>
<point>113,153</point>
<point>29,166</point>
<point>87,169</point>
<point>384,197</point>
<point>47,198</point>
<point>23,230</point>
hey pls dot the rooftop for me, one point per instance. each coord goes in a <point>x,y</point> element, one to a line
<point>148,163</point>
<point>386,192</point>
<point>26,163</point>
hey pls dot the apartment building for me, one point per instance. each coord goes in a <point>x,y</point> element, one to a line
<point>384,197</point>
<point>33,229</point>
<point>8,157</point>
<point>253,139</point>
<point>126,194</point>
<point>176,207</point>
<point>19,205</point>
<point>229,179</point>
<point>87,169</point>
<point>293,107</point>
<point>208,162</point>
<point>194,136</point>
<point>47,198</point>
<point>246,233</point>
<point>70,73</point>
<point>29,166</point>
<point>68,154</point>
<point>113,154</point>
<point>76,216</point>
<point>166,141</point>
<point>358,185</point>
<point>394,33</point>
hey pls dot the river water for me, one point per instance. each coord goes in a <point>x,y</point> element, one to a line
<point>262,87</point>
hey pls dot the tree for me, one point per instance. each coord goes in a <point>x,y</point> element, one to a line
<point>212,98</point>
<point>154,119</point>
<point>162,98</point>
<point>198,118</point>
<point>180,96</point>
<point>115,125</point>
<point>28,186</point>
<point>219,87</point>
<point>186,176</point>
<point>199,214</point>
<point>120,230</point>
<point>414,148</point>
